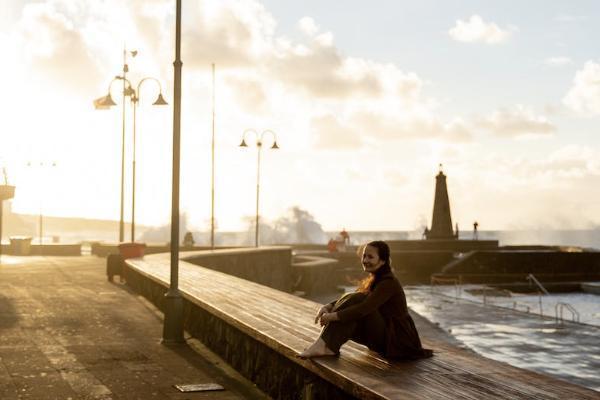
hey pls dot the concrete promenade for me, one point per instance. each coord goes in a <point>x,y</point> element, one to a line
<point>67,333</point>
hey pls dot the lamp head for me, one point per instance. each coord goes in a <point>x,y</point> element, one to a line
<point>160,101</point>
<point>243,144</point>
<point>275,147</point>
<point>129,91</point>
<point>104,102</point>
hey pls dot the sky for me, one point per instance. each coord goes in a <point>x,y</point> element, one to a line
<point>366,99</point>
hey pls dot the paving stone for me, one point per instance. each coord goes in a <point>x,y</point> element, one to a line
<point>66,332</point>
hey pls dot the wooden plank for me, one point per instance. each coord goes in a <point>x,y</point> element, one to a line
<point>283,322</point>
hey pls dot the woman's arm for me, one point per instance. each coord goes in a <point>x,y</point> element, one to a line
<point>382,293</point>
<point>323,310</point>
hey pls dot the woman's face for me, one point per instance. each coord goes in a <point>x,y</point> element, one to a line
<point>370,259</point>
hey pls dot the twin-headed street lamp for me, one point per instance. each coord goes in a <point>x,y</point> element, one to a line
<point>133,94</point>
<point>105,102</point>
<point>259,143</point>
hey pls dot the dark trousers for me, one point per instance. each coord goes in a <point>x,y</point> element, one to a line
<point>369,330</point>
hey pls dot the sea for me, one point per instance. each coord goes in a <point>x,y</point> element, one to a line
<point>526,331</point>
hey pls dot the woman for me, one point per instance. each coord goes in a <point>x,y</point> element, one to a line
<point>376,315</point>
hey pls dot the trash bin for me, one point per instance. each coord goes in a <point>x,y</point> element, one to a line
<point>20,245</point>
<point>114,266</point>
<point>132,250</point>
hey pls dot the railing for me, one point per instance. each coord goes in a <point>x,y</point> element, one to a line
<point>457,282</point>
<point>533,279</point>
<point>517,306</point>
<point>558,312</point>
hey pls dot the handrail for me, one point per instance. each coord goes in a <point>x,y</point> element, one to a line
<point>456,281</point>
<point>516,304</point>
<point>559,307</point>
<point>532,278</point>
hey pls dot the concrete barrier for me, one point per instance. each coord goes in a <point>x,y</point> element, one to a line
<point>269,266</point>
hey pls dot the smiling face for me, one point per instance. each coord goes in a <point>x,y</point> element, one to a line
<point>370,259</point>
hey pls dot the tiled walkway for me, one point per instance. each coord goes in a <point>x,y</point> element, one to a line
<point>67,333</point>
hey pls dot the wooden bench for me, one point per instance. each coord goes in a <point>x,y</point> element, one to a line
<point>260,330</point>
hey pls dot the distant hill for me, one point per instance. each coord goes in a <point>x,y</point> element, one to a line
<point>63,228</point>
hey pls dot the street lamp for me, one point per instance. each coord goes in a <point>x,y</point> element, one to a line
<point>173,322</point>
<point>259,143</point>
<point>103,103</point>
<point>134,95</point>
<point>160,101</point>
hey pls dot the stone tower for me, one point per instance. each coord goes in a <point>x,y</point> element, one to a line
<point>441,223</point>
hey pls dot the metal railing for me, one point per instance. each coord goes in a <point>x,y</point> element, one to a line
<point>558,312</point>
<point>457,282</point>
<point>533,279</point>
<point>517,306</point>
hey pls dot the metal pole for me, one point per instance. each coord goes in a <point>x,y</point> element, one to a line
<point>173,323</point>
<point>212,185</point>
<point>121,219</point>
<point>259,145</point>
<point>134,100</point>
<point>41,224</point>
<point>1,210</point>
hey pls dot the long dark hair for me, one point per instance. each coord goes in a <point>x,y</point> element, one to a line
<point>383,251</point>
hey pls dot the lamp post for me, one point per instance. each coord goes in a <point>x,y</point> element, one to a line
<point>259,143</point>
<point>6,192</point>
<point>160,101</point>
<point>134,95</point>
<point>41,165</point>
<point>173,322</point>
<point>105,102</point>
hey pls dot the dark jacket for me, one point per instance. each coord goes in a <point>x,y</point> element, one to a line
<point>387,297</point>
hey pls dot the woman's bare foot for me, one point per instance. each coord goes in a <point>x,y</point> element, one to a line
<point>317,349</point>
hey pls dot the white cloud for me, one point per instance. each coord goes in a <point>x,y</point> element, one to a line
<point>384,127</point>
<point>330,133</point>
<point>308,26</point>
<point>476,30</point>
<point>230,34</point>
<point>557,61</point>
<point>516,122</point>
<point>584,95</point>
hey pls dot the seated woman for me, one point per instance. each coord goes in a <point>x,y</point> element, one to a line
<point>376,315</point>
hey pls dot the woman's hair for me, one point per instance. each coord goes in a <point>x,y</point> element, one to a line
<point>383,251</point>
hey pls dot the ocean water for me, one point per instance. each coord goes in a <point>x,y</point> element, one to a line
<point>506,332</point>
<point>587,238</point>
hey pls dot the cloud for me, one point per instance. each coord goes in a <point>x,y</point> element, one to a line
<point>584,95</point>
<point>476,30</point>
<point>56,47</point>
<point>308,26</point>
<point>249,93</point>
<point>230,34</point>
<point>557,61</point>
<point>380,126</point>
<point>320,70</point>
<point>517,122</point>
<point>331,133</point>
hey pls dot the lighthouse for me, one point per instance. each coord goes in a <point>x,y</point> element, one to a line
<point>441,222</point>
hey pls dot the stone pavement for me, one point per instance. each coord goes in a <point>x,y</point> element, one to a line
<point>68,333</point>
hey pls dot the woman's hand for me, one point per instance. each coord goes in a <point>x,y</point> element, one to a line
<point>325,309</point>
<point>328,317</point>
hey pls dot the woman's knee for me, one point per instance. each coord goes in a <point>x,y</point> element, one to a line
<point>349,299</point>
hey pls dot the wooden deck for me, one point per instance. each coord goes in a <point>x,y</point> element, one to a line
<point>278,326</point>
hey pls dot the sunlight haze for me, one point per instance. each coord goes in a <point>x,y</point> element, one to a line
<point>366,100</point>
